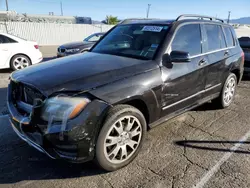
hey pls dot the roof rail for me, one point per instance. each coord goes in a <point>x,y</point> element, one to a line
<point>199,17</point>
<point>126,21</point>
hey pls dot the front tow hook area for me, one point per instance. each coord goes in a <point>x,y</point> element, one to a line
<point>30,142</point>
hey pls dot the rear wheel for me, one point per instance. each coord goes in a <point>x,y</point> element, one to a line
<point>228,91</point>
<point>19,62</point>
<point>121,137</point>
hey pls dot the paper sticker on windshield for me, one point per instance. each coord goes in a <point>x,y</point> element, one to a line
<point>152,28</point>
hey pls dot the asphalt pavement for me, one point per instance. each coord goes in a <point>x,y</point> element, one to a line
<point>206,147</point>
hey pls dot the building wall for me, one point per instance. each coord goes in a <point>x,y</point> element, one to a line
<point>51,33</point>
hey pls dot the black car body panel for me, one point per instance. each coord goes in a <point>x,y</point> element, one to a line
<point>245,45</point>
<point>82,73</point>
<point>159,88</point>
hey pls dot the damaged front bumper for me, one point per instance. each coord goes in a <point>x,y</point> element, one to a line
<point>74,141</point>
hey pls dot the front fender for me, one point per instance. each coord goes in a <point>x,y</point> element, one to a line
<point>145,87</point>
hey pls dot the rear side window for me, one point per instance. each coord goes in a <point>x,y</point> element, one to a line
<point>229,37</point>
<point>214,38</point>
<point>188,39</point>
<point>6,40</point>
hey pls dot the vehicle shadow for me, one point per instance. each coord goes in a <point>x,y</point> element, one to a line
<point>49,58</point>
<point>5,71</point>
<point>246,78</point>
<point>25,164</point>
<point>20,162</point>
<point>209,145</point>
<point>209,106</point>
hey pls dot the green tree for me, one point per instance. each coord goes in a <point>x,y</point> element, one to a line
<point>111,20</point>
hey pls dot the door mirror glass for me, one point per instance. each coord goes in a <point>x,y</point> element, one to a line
<point>179,57</point>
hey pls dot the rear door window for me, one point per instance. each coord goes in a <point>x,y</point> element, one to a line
<point>188,39</point>
<point>214,38</point>
<point>229,37</point>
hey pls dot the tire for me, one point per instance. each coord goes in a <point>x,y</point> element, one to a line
<point>225,99</point>
<point>19,62</point>
<point>113,156</point>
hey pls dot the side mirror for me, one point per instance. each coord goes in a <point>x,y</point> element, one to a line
<point>179,57</point>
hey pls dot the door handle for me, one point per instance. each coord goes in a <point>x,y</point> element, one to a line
<point>226,53</point>
<point>202,62</point>
<point>5,49</point>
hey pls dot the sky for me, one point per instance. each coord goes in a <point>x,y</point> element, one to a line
<point>98,9</point>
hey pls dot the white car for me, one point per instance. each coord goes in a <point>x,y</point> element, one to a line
<point>17,53</point>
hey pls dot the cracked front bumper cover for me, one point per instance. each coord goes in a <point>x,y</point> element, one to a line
<point>74,143</point>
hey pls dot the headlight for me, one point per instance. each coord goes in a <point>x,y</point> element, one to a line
<point>63,108</point>
<point>72,50</point>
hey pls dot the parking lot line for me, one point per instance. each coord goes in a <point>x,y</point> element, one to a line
<point>216,167</point>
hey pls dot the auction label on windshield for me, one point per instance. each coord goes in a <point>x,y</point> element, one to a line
<point>152,28</point>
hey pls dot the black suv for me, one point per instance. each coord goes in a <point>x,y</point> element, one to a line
<point>245,45</point>
<point>99,105</point>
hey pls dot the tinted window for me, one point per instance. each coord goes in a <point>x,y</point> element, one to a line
<point>229,37</point>
<point>214,39</point>
<point>4,39</point>
<point>188,39</point>
<point>222,38</point>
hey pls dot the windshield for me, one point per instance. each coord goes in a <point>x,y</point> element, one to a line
<point>93,38</point>
<point>137,41</point>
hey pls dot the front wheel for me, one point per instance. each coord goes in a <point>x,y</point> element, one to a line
<point>121,137</point>
<point>228,91</point>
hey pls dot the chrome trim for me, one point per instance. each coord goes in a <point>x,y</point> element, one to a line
<point>217,85</point>
<point>30,142</point>
<point>200,92</point>
<point>196,22</point>
<point>211,52</point>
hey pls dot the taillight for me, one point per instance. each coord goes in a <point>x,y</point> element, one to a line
<point>243,57</point>
<point>36,46</point>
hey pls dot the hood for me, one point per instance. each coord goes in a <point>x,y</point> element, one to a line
<point>80,72</point>
<point>76,44</point>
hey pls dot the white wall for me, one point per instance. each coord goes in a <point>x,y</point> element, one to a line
<point>57,34</point>
<point>50,33</point>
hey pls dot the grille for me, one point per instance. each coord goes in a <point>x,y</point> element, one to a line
<point>24,93</point>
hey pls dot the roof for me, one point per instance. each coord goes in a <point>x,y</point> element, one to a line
<point>181,18</point>
<point>146,21</point>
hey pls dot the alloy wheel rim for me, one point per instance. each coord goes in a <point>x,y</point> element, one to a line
<point>229,91</point>
<point>122,139</point>
<point>20,63</point>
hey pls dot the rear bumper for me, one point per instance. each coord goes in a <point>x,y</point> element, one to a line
<point>37,57</point>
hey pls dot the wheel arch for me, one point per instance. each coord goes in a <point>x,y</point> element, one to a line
<point>237,73</point>
<point>19,54</point>
<point>140,105</point>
